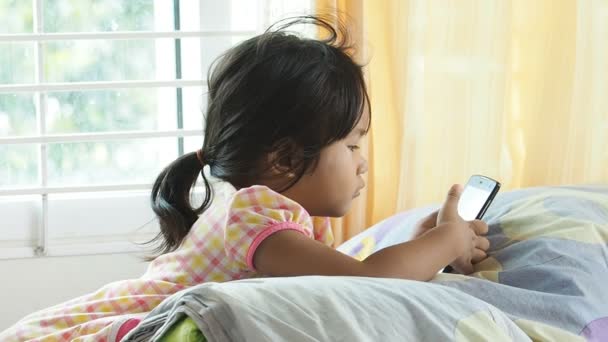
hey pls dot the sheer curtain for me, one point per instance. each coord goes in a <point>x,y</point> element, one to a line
<point>515,90</point>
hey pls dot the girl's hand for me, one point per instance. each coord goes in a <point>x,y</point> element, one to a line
<point>468,235</point>
<point>474,248</point>
<point>425,224</point>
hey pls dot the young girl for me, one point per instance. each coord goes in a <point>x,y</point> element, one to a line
<point>284,120</point>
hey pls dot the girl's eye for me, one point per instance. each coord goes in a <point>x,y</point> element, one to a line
<point>353,147</point>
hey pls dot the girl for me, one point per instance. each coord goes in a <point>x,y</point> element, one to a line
<point>284,120</point>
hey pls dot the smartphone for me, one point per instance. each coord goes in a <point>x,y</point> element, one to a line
<point>476,197</point>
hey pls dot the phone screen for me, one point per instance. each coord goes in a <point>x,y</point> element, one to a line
<point>476,197</point>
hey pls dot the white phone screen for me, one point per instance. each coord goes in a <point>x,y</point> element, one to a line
<point>471,202</point>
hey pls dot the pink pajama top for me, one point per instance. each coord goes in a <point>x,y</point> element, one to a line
<point>219,247</point>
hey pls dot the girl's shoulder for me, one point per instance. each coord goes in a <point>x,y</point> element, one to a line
<point>260,200</point>
<point>260,206</point>
<point>255,213</point>
<point>258,209</point>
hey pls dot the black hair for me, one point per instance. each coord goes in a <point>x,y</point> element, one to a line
<point>274,101</point>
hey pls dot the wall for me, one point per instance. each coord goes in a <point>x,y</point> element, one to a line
<point>31,284</point>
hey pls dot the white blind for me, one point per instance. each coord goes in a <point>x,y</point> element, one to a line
<point>95,98</point>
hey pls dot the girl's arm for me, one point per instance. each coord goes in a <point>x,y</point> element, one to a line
<point>289,253</point>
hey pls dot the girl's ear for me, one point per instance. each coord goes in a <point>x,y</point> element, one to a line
<point>284,158</point>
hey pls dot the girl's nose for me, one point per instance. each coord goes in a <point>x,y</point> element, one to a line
<point>362,167</point>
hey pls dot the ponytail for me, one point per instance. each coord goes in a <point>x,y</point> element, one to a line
<point>171,201</point>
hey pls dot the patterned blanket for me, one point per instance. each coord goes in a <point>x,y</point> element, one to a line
<point>548,264</point>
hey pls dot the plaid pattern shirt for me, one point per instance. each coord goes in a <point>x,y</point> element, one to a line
<point>219,247</point>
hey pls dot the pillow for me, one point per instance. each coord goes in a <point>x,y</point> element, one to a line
<point>314,308</point>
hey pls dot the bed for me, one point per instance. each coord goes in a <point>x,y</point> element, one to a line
<point>546,279</point>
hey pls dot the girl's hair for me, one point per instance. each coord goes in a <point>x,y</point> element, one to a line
<point>274,101</point>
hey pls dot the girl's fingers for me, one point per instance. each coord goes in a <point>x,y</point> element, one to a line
<point>480,227</point>
<point>482,243</point>
<point>478,255</point>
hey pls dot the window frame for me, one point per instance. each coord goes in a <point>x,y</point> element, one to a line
<point>39,245</point>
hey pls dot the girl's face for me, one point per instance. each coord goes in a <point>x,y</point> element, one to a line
<point>330,189</point>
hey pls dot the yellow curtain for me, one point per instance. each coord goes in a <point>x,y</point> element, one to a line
<point>515,90</point>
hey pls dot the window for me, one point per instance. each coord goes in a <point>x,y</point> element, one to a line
<point>96,96</point>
